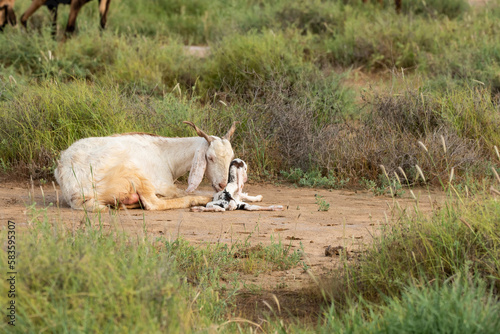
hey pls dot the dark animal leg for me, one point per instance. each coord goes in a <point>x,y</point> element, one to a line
<point>73,13</point>
<point>103,10</point>
<point>11,16</point>
<point>31,9</point>
<point>3,23</point>
<point>398,5</point>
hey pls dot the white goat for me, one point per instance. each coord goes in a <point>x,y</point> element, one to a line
<point>131,169</point>
<point>231,198</point>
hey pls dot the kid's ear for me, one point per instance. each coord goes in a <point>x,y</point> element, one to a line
<point>197,171</point>
<point>240,177</point>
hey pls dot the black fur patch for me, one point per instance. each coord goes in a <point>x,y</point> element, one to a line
<point>222,204</point>
<point>226,196</point>
<point>236,163</point>
<point>231,177</point>
<point>55,3</point>
<point>242,206</point>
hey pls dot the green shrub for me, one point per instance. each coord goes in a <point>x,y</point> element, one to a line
<point>89,281</point>
<point>456,307</point>
<point>241,64</point>
<point>43,120</point>
<point>313,179</point>
<point>153,65</point>
<point>450,8</point>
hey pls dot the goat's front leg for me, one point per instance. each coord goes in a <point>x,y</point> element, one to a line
<point>35,4</point>
<point>246,197</point>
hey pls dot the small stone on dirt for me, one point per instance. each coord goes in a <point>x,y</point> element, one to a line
<point>332,251</point>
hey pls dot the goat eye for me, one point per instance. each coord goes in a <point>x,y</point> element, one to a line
<point>211,159</point>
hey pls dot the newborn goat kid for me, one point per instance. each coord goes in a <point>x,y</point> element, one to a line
<point>231,198</point>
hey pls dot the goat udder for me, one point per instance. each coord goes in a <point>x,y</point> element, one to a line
<point>129,199</point>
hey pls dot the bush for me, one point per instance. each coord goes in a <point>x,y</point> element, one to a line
<point>151,66</point>
<point>284,128</point>
<point>242,64</point>
<point>87,281</point>
<point>433,8</point>
<point>389,135</point>
<point>40,122</point>
<point>439,308</point>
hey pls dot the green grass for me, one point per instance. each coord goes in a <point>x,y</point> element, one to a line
<point>89,279</point>
<point>451,307</point>
<point>313,179</point>
<point>85,281</point>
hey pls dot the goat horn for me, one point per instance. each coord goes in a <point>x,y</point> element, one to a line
<point>200,132</point>
<point>231,131</point>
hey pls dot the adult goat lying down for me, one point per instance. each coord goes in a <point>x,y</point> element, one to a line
<point>130,170</point>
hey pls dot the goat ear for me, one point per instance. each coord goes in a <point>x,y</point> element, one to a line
<point>200,132</point>
<point>231,131</point>
<point>197,171</point>
<point>11,16</point>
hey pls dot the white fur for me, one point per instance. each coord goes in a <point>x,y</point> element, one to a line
<point>234,190</point>
<point>94,172</point>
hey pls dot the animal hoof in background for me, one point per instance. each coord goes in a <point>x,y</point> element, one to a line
<point>258,198</point>
<point>277,207</point>
<point>196,208</point>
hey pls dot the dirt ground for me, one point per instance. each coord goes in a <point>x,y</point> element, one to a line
<point>353,218</point>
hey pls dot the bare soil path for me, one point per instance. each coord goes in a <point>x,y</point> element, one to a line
<point>353,218</point>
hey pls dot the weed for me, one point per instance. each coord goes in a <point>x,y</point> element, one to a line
<point>460,302</point>
<point>323,205</point>
<point>313,179</point>
<point>372,186</point>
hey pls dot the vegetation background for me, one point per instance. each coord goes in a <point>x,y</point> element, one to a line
<point>326,91</point>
